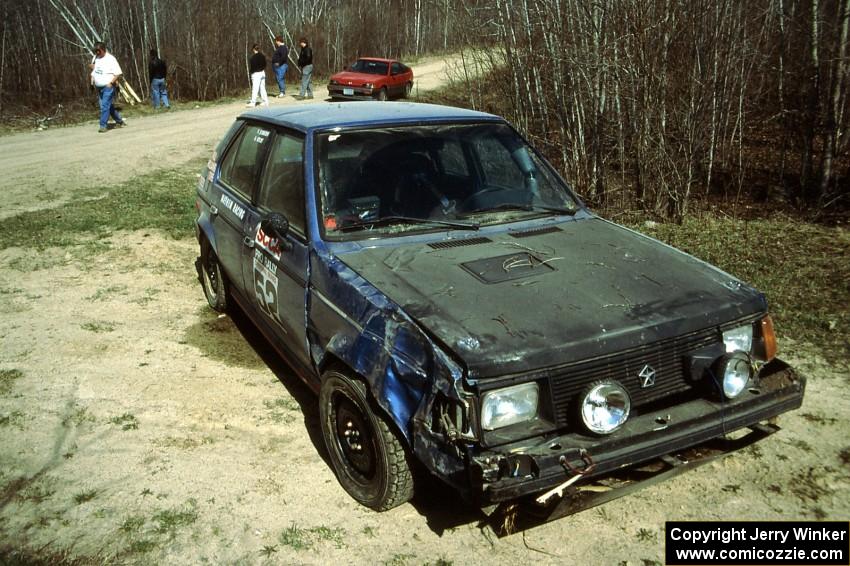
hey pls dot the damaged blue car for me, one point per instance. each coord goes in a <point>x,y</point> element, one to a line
<point>454,304</point>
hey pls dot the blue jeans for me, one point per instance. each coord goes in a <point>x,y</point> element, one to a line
<point>158,91</point>
<point>306,78</point>
<point>106,94</point>
<point>279,74</point>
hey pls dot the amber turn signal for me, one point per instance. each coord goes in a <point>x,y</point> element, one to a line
<point>768,338</point>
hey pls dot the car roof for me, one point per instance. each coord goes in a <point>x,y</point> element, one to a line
<point>321,116</point>
<point>380,59</point>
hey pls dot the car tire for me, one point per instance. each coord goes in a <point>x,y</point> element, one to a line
<point>407,89</point>
<point>367,455</point>
<point>382,94</point>
<point>212,279</point>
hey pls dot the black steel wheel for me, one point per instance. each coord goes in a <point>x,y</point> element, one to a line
<point>368,457</point>
<point>212,279</point>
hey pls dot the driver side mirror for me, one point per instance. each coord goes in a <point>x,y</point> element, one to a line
<point>277,225</point>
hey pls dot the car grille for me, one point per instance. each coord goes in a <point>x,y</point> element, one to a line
<point>666,357</point>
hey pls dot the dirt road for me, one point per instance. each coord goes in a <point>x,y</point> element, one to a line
<point>138,427</point>
<point>49,168</point>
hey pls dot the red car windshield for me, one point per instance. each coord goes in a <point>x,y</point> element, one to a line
<point>370,67</point>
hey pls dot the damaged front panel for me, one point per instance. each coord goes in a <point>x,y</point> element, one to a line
<point>412,379</point>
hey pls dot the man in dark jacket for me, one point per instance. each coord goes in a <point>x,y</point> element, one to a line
<point>279,64</point>
<point>257,68</point>
<point>157,70</point>
<point>305,62</point>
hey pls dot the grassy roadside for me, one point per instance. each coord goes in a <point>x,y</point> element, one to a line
<point>158,201</point>
<point>25,119</point>
<point>803,268</point>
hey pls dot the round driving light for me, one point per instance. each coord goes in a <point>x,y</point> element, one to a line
<point>736,370</point>
<point>605,407</point>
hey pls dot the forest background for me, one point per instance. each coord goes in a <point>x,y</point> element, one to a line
<point>642,104</point>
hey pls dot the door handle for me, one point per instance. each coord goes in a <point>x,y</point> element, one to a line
<point>248,242</point>
<point>213,210</point>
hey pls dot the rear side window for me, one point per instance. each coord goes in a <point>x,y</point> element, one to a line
<point>242,164</point>
<point>282,188</point>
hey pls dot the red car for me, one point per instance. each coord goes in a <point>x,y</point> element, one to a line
<point>370,78</point>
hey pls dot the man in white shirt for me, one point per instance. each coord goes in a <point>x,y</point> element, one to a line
<point>105,72</point>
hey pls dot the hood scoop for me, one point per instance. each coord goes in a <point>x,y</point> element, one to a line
<point>536,232</point>
<point>507,267</point>
<point>459,243</point>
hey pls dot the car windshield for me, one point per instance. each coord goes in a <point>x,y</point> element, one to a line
<point>460,176</point>
<point>370,67</point>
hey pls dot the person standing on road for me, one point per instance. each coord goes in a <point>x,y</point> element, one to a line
<point>257,68</point>
<point>305,63</point>
<point>157,70</point>
<point>105,72</point>
<point>279,64</point>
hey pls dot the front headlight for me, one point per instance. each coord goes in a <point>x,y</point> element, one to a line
<point>605,407</point>
<point>369,85</point>
<point>739,339</point>
<point>334,82</point>
<point>735,370</point>
<point>508,406</point>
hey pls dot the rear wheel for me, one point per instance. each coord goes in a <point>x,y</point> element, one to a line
<point>369,459</point>
<point>382,94</point>
<point>212,279</point>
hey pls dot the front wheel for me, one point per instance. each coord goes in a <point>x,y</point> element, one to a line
<point>212,279</point>
<point>382,94</point>
<point>367,456</point>
<point>407,88</point>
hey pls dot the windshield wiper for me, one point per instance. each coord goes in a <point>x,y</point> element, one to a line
<point>388,220</point>
<point>525,207</point>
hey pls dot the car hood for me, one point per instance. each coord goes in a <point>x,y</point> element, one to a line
<point>350,78</point>
<point>518,301</point>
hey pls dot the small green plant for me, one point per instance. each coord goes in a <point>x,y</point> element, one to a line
<point>132,524</point>
<point>36,492</point>
<point>268,550</point>
<point>645,535</point>
<point>844,456</point>
<point>15,419</point>
<point>323,533</point>
<point>78,416</point>
<point>85,496</point>
<point>399,559</point>
<point>142,546</point>
<point>149,295</point>
<point>145,492</point>
<point>106,292</point>
<point>171,520</point>
<point>731,488</point>
<point>295,537</point>
<point>819,419</point>
<point>98,326</point>
<point>126,421</point>
<point>369,531</point>
<point>282,410</point>
<point>8,378</point>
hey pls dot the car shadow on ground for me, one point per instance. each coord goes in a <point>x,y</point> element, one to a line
<point>438,503</point>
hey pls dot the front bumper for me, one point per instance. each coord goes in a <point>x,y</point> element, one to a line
<point>337,92</point>
<point>527,467</point>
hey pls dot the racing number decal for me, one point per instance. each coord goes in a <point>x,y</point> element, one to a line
<point>265,285</point>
